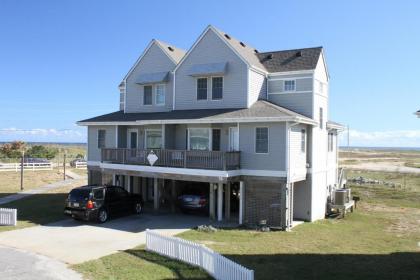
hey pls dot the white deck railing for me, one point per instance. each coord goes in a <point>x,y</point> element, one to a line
<point>26,166</point>
<point>8,217</point>
<point>195,254</point>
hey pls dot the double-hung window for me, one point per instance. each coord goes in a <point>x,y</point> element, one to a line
<point>261,140</point>
<point>289,85</point>
<point>147,95</point>
<point>201,88</point>
<point>153,139</point>
<point>217,88</point>
<point>303,141</point>
<point>101,138</point>
<point>160,95</point>
<point>199,139</point>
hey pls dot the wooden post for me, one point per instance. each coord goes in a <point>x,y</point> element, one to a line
<point>220,202</point>
<point>155,194</point>
<point>64,166</point>
<point>241,202</point>
<point>21,170</point>
<point>211,202</point>
<point>173,196</point>
<point>227,201</point>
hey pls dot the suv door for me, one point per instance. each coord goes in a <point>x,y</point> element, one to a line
<point>124,199</point>
<point>111,201</point>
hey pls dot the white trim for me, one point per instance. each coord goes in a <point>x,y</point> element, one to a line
<point>290,92</point>
<point>255,140</point>
<point>291,72</point>
<point>145,137</point>
<point>138,61</point>
<point>173,90</point>
<point>129,131</point>
<point>241,201</point>
<point>290,78</point>
<point>116,136</point>
<point>189,171</point>
<point>207,121</point>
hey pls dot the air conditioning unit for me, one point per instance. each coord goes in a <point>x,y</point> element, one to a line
<point>342,196</point>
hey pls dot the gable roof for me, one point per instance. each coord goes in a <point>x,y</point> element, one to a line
<point>290,60</point>
<point>261,111</point>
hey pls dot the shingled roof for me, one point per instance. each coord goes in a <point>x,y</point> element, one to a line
<point>260,111</point>
<point>175,53</point>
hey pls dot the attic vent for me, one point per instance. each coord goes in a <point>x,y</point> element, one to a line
<point>270,56</point>
<point>227,36</point>
<point>171,49</point>
<point>299,54</point>
<point>242,44</point>
<point>256,51</point>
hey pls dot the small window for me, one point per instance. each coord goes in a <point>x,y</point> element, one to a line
<point>147,97</point>
<point>216,140</point>
<point>101,138</point>
<point>289,85</point>
<point>261,140</point>
<point>160,95</point>
<point>201,88</point>
<point>98,193</point>
<point>321,118</point>
<point>330,142</point>
<point>217,88</point>
<point>153,139</point>
<point>303,141</point>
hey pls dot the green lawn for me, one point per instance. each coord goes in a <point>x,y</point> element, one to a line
<point>380,240</point>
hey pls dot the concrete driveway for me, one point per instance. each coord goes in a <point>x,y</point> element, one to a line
<point>75,242</point>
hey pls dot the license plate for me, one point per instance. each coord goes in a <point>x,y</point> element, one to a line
<point>67,211</point>
<point>76,204</point>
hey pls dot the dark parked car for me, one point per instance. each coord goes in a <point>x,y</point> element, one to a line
<point>98,203</point>
<point>194,199</point>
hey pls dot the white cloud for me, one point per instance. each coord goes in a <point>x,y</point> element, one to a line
<point>43,135</point>
<point>391,138</point>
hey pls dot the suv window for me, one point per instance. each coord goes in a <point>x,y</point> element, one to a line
<point>98,193</point>
<point>121,193</point>
<point>79,194</point>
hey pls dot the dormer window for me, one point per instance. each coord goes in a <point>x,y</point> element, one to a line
<point>147,95</point>
<point>290,85</point>
<point>201,88</point>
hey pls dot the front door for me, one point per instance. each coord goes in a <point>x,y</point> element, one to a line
<point>132,138</point>
<point>233,139</point>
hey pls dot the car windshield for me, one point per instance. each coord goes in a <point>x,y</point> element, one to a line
<point>79,194</point>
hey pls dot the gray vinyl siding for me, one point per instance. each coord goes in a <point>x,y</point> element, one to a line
<point>257,87</point>
<point>276,86</point>
<point>299,102</point>
<point>274,159</point>
<point>211,49</point>
<point>154,61</point>
<point>94,154</point>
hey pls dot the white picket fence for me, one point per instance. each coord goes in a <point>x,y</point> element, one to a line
<point>26,166</point>
<point>8,217</point>
<point>195,254</point>
<point>81,165</point>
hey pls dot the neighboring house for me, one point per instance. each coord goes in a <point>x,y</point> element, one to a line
<point>417,113</point>
<point>248,127</point>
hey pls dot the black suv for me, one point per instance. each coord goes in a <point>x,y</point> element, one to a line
<point>98,203</point>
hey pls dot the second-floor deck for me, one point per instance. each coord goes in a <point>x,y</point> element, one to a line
<point>214,160</point>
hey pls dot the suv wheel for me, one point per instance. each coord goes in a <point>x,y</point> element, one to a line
<point>138,208</point>
<point>102,216</point>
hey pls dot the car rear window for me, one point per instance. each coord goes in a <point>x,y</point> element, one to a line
<point>79,194</point>
<point>98,193</point>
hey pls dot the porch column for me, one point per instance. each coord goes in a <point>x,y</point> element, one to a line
<point>173,196</point>
<point>144,188</point>
<point>241,202</point>
<point>211,202</point>
<point>220,202</point>
<point>227,201</point>
<point>155,194</point>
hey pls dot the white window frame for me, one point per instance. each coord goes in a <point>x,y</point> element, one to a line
<point>144,95</point>
<point>97,138</point>
<point>289,80</point>
<point>196,88</point>
<point>210,137</point>
<point>156,94</point>
<point>268,140</point>
<point>152,130</point>
<point>223,87</point>
<point>129,131</point>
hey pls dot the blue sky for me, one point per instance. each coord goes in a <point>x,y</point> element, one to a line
<point>61,61</point>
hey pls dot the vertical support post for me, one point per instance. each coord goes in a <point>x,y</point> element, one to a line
<point>155,194</point>
<point>220,202</point>
<point>64,166</point>
<point>173,196</point>
<point>211,202</point>
<point>21,170</point>
<point>241,202</point>
<point>227,201</point>
<point>144,188</point>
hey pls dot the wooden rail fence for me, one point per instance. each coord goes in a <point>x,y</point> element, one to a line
<point>195,254</point>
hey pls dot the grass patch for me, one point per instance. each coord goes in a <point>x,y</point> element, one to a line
<point>408,181</point>
<point>10,180</point>
<point>137,263</point>
<point>81,172</point>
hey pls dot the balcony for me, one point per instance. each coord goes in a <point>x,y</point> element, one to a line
<point>213,160</point>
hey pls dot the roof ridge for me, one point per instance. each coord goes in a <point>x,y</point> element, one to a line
<point>288,50</point>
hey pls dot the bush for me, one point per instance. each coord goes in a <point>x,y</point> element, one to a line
<point>39,151</point>
<point>13,150</point>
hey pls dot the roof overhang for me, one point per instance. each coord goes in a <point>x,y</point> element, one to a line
<point>335,126</point>
<point>152,78</point>
<point>209,69</point>
<point>202,121</point>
